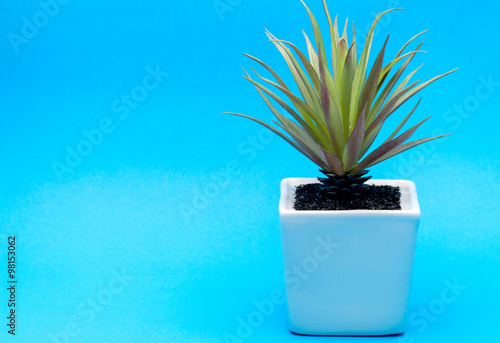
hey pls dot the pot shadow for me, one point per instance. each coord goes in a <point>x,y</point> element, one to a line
<point>361,336</point>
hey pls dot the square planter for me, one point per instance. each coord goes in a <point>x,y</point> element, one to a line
<point>348,272</point>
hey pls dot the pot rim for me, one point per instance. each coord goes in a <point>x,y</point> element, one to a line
<point>409,200</point>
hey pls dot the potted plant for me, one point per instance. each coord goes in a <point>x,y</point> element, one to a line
<point>348,241</point>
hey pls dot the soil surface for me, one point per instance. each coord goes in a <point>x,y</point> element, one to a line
<point>310,197</point>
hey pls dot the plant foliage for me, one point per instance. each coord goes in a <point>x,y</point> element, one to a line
<point>342,105</point>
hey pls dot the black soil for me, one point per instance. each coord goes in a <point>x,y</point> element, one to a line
<point>310,197</point>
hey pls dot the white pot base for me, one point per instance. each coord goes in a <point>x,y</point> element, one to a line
<point>348,272</point>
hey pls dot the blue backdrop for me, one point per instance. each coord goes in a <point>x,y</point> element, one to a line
<point>144,214</point>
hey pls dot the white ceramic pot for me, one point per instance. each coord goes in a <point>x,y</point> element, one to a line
<point>348,272</point>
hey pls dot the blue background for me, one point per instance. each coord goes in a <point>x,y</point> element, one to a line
<point>181,200</point>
